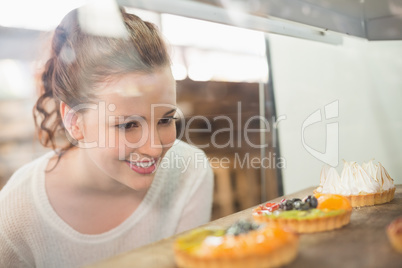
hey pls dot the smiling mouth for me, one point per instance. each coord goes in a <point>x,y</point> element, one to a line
<point>143,164</point>
<point>143,167</point>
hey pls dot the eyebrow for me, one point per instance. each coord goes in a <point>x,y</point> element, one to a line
<point>169,112</point>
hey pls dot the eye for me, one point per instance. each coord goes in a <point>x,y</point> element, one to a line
<point>128,125</point>
<point>166,120</point>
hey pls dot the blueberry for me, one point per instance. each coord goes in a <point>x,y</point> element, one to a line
<point>307,198</point>
<point>288,205</point>
<point>313,202</point>
<point>241,227</point>
<point>297,205</point>
<point>296,199</point>
<point>282,204</point>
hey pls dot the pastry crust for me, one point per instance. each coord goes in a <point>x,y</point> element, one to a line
<point>363,200</point>
<point>318,224</point>
<point>394,233</point>
<point>277,257</point>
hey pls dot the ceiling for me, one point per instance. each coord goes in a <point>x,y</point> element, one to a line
<point>319,20</point>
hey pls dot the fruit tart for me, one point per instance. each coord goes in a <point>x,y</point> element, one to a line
<point>365,185</point>
<point>394,233</point>
<point>244,244</point>
<point>322,212</point>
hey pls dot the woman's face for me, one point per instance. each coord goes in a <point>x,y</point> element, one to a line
<point>128,132</point>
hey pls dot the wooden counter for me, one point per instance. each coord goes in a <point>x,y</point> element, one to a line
<point>362,243</point>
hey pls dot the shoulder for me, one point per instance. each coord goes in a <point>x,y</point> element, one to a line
<point>17,198</point>
<point>20,218</point>
<point>24,173</point>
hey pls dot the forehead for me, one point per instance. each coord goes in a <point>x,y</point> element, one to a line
<point>140,84</point>
<point>136,92</point>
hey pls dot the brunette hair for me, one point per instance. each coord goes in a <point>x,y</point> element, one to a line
<point>79,61</point>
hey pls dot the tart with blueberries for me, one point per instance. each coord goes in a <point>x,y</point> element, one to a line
<point>244,244</point>
<point>312,214</point>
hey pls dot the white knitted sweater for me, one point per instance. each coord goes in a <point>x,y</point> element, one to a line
<point>33,235</point>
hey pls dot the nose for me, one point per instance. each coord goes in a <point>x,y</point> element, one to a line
<point>152,146</point>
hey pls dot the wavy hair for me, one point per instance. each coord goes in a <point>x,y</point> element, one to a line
<point>80,61</point>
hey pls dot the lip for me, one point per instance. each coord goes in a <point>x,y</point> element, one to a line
<point>136,166</point>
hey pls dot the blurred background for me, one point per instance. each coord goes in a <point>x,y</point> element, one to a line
<point>240,74</point>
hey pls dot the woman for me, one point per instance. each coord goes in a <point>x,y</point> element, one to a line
<point>122,180</point>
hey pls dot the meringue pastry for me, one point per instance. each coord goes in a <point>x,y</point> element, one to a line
<point>365,185</point>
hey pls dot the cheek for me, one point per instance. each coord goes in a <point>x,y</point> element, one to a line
<point>131,137</point>
<point>121,143</point>
<point>92,133</point>
<point>94,130</point>
<point>168,136</point>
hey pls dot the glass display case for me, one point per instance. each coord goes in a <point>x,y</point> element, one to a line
<point>271,90</point>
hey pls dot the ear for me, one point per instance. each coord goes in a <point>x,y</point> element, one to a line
<point>72,121</point>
